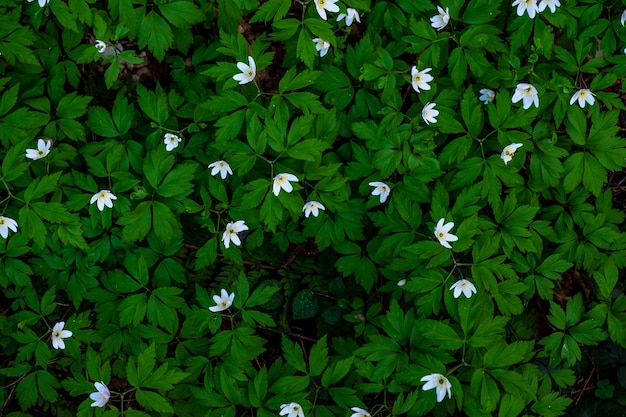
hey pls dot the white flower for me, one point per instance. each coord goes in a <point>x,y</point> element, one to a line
<point>41,2</point>
<point>6,224</point>
<point>440,383</point>
<point>282,181</point>
<point>43,149</point>
<point>487,95</point>
<point>312,207</point>
<point>231,233</point>
<point>441,233</point>
<point>527,93</point>
<point>441,20</point>
<point>248,72</point>
<point>529,6</point>
<point>322,46</point>
<point>623,19</point>
<point>323,5</point>
<point>382,189</point>
<point>350,17</point>
<point>292,409</point>
<point>583,96</point>
<point>509,151</point>
<point>419,79</point>
<point>223,301</point>
<point>552,4</point>
<point>101,46</point>
<point>463,286</point>
<point>171,141</point>
<point>222,167</point>
<point>401,282</point>
<point>101,397</point>
<point>58,334</point>
<point>429,113</point>
<point>359,412</point>
<point>104,198</point>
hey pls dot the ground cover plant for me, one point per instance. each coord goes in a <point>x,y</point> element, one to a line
<point>312,208</point>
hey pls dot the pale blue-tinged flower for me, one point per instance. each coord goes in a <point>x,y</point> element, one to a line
<point>381,189</point>
<point>248,72</point>
<point>442,233</point>
<point>509,151</point>
<point>429,113</point>
<point>420,79</point>
<point>402,282</point>
<point>463,286</point>
<point>101,396</point>
<point>291,410</point>
<point>58,334</point>
<point>282,181</point>
<point>552,4</point>
<point>440,383</point>
<point>441,20</point>
<point>101,46</point>
<point>527,93</point>
<point>351,16</point>
<point>104,198</point>
<point>231,234</point>
<point>359,412</point>
<point>623,19</point>
<point>323,5</point>
<point>43,149</point>
<point>220,167</point>
<point>223,301</point>
<point>583,96</point>
<point>42,3</point>
<point>312,207</point>
<point>6,224</point>
<point>322,46</point>
<point>487,95</point>
<point>171,141</point>
<point>529,6</point>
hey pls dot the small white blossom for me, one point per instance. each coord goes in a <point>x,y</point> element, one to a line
<point>312,207</point>
<point>42,3</point>
<point>171,141</point>
<point>429,113</point>
<point>359,412</point>
<point>282,181</point>
<point>222,168</point>
<point>323,5</point>
<point>101,46</point>
<point>58,334</point>
<point>441,20</point>
<point>322,46</point>
<point>527,93</point>
<point>104,198</point>
<point>552,4</point>
<point>231,234</point>
<point>529,6</point>
<point>440,383</point>
<point>463,286</point>
<point>583,96</point>
<point>381,189</point>
<point>223,301</point>
<point>487,95</point>
<point>420,79</point>
<point>6,224</point>
<point>248,72</point>
<point>401,282</point>
<point>43,149</point>
<point>441,233</point>
<point>101,396</point>
<point>623,19</point>
<point>509,151</point>
<point>351,16</point>
<point>292,409</point>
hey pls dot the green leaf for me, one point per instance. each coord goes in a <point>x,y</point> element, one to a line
<point>156,34</point>
<point>72,106</point>
<point>272,9</point>
<point>551,405</point>
<point>336,371</point>
<point>257,388</point>
<point>100,122</point>
<point>137,222</point>
<point>318,358</point>
<point>166,225</point>
<point>41,186</point>
<point>123,114</point>
<point>293,354</point>
<point>501,355</point>
<point>181,14</point>
<point>152,401</point>
<point>178,181</point>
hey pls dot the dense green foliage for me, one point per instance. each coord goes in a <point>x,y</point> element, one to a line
<point>115,224</point>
